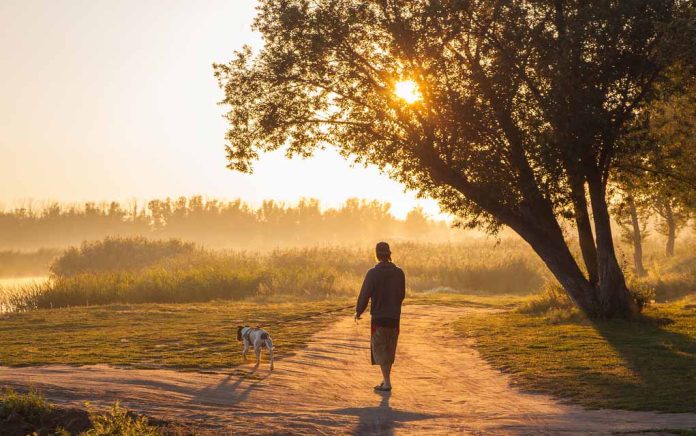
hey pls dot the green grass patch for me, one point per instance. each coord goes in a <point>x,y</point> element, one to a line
<point>181,336</point>
<point>644,365</point>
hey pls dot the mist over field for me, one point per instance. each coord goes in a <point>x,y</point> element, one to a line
<point>219,224</point>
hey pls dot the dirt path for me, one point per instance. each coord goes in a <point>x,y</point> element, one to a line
<point>442,386</point>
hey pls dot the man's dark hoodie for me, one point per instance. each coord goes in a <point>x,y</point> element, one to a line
<point>385,285</point>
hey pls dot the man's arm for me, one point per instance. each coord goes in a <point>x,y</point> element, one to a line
<point>365,294</point>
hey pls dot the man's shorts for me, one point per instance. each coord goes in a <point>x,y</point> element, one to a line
<point>383,344</point>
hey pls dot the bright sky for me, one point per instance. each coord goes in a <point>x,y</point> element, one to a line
<point>114,100</point>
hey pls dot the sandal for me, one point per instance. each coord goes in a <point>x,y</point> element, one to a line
<point>381,388</point>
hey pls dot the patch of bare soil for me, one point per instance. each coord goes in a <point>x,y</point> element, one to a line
<point>441,386</point>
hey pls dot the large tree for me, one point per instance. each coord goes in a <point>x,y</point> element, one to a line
<point>506,112</point>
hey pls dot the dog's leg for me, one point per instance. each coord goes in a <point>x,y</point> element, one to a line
<point>257,351</point>
<point>269,345</point>
<point>246,349</point>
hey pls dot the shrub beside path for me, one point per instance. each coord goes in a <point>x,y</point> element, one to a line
<point>441,386</point>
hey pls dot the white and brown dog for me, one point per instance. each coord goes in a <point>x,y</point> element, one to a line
<point>258,338</point>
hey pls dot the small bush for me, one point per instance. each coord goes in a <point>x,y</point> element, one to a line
<point>117,254</point>
<point>643,292</point>
<point>119,422</point>
<point>30,407</point>
<point>552,298</point>
<point>30,413</point>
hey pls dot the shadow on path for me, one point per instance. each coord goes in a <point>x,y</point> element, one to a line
<point>381,419</point>
<point>228,392</point>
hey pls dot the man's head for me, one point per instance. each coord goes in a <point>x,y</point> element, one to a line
<point>383,252</point>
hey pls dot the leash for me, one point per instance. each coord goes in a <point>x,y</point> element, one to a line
<point>303,317</point>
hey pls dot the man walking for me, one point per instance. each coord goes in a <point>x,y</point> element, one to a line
<point>385,285</point>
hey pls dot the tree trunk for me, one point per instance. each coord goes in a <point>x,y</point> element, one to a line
<point>636,237</point>
<point>613,297</point>
<point>584,227</point>
<point>538,226</point>
<point>535,221</point>
<point>553,251</point>
<point>671,229</point>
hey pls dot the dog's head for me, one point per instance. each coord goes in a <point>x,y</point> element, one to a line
<point>239,332</point>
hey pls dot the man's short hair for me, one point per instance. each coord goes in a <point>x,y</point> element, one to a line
<point>383,251</point>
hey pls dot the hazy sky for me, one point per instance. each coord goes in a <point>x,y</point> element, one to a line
<point>115,99</point>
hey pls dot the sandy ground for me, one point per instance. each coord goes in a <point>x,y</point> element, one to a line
<point>441,386</point>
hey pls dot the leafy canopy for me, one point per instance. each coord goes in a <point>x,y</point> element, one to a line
<point>508,91</point>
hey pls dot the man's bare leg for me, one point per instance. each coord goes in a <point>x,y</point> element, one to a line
<point>386,372</point>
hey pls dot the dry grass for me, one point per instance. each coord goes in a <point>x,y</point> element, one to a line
<point>141,271</point>
<point>668,279</point>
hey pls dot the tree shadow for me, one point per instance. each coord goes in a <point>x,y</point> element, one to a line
<point>662,361</point>
<point>381,419</point>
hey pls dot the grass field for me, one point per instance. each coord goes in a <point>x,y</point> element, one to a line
<point>646,365</point>
<point>192,336</point>
<point>183,336</point>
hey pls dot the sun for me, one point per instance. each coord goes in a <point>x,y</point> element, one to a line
<point>408,91</point>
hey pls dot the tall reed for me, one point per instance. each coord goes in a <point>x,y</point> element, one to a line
<point>138,271</point>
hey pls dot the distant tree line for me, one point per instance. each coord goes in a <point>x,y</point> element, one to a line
<point>215,223</point>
